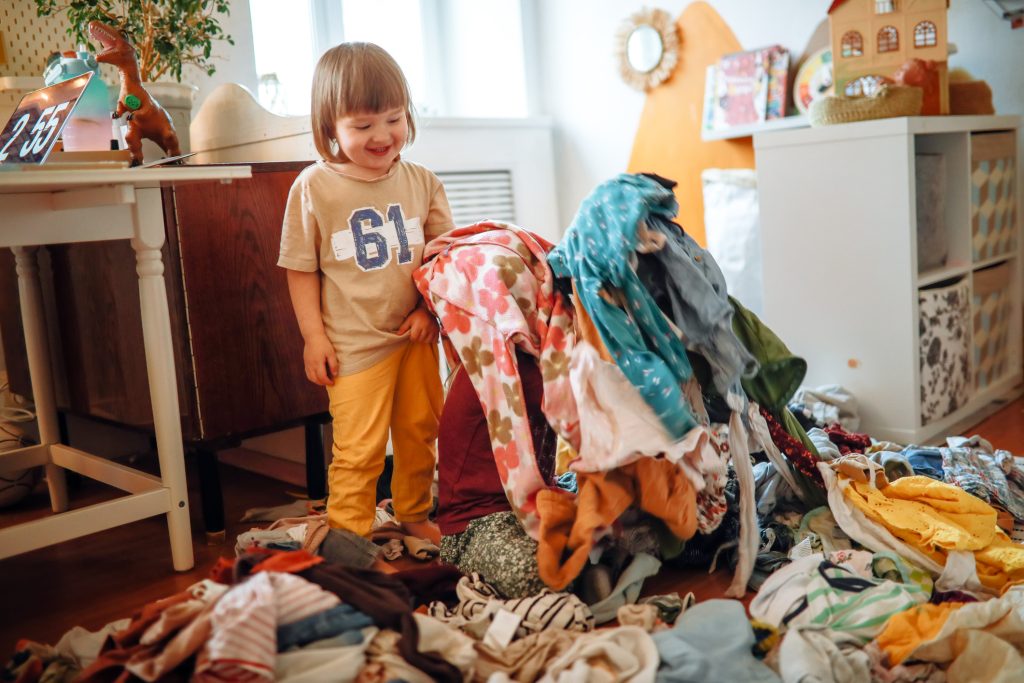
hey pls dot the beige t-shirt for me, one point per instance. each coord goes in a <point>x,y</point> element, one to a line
<point>366,238</point>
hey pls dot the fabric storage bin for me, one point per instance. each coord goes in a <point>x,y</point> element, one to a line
<point>932,240</point>
<point>945,332</point>
<point>993,194</point>
<point>991,309</point>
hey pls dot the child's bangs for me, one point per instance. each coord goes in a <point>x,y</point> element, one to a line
<point>378,89</point>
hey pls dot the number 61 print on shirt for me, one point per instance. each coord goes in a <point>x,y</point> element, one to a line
<point>372,237</point>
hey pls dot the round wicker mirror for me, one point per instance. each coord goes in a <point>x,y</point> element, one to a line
<point>647,45</point>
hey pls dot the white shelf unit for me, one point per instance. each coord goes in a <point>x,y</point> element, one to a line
<point>841,279</point>
<point>785,123</point>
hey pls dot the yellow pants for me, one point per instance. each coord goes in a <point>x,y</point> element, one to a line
<point>402,394</point>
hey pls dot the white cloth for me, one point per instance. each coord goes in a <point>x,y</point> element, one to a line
<point>313,664</point>
<point>618,427</point>
<point>831,403</point>
<point>783,589</point>
<point>627,651</point>
<point>83,646</point>
<point>961,574</point>
<point>452,645</point>
<point>750,534</point>
<point>821,655</point>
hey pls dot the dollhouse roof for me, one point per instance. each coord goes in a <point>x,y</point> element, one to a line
<point>837,3</point>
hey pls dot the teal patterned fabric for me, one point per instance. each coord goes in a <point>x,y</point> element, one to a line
<point>597,252</point>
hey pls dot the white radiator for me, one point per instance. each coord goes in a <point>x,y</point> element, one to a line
<point>477,195</point>
<point>501,169</point>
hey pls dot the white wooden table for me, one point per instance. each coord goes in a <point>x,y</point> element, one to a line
<point>42,207</point>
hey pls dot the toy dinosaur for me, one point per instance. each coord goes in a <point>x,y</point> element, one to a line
<point>146,118</point>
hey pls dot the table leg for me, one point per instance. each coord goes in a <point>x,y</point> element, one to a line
<point>211,494</point>
<point>163,385</point>
<point>37,346</point>
<point>316,471</point>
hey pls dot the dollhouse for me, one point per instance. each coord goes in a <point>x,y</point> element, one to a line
<point>872,39</point>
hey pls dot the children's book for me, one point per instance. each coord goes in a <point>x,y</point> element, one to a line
<point>747,88</point>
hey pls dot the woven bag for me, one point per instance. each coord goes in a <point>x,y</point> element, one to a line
<point>889,101</point>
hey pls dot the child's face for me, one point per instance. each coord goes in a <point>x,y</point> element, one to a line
<point>372,142</point>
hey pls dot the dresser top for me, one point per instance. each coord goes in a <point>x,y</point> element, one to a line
<point>42,179</point>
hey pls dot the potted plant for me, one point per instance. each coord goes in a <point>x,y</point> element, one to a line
<point>168,36</point>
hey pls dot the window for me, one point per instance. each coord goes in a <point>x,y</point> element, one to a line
<point>925,34</point>
<point>463,58</point>
<point>284,63</point>
<point>852,44</point>
<point>865,85</point>
<point>885,6</point>
<point>888,39</point>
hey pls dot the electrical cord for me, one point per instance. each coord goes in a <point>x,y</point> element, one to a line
<point>14,413</point>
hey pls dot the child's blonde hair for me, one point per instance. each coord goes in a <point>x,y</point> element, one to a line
<point>355,78</point>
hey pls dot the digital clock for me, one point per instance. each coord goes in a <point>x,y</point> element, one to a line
<point>33,129</point>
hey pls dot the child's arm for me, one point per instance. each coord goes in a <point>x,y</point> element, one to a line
<point>318,356</point>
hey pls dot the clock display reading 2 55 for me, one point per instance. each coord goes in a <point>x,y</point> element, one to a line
<point>36,124</point>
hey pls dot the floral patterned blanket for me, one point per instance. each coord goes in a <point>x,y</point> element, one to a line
<point>490,286</point>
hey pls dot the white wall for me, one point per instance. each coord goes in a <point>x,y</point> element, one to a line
<point>596,114</point>
<point>990,50</point>
<point>235,64</point>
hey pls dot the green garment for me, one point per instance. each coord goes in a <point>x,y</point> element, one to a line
<point>796,430</point>
<point>777,379</point>
<point>780,372</point>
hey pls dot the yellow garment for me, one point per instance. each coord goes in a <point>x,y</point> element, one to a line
<point>403,394</point>
<point>938,518</point>
<point>906,630</point>
<point>564,454</point>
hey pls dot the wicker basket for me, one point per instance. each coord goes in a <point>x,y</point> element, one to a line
<point>889,101</point>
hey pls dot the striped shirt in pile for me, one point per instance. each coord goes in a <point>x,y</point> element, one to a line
<point>243,642</point>
<point>479,602</point>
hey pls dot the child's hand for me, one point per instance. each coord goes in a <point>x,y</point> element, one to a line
<point>421,326</point>
<point>320,360</point>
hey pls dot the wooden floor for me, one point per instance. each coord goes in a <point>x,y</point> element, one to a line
<point>96,579</point>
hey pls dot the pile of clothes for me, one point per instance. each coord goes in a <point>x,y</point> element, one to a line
<point>684,439</point>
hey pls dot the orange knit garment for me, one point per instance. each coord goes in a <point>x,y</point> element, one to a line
<point>568,525</point>
<point>906,630</point>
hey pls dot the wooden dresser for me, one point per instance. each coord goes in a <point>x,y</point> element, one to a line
<point>237,347</point>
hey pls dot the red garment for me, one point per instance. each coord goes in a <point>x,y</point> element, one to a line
<point>288,561</point>
<point>848,442</point>
<point>468,483</point>
<point>803,460</point>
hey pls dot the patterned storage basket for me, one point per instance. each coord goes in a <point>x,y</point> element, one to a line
<point>945,329</point>
<point>992,312</point>
<point>993,194</point>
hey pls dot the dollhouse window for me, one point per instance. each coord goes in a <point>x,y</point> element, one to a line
<point>852,44</point>
<point>888,39</point>
<point>865,85</point>
<point>925,34</point>
<point>885,6</point>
